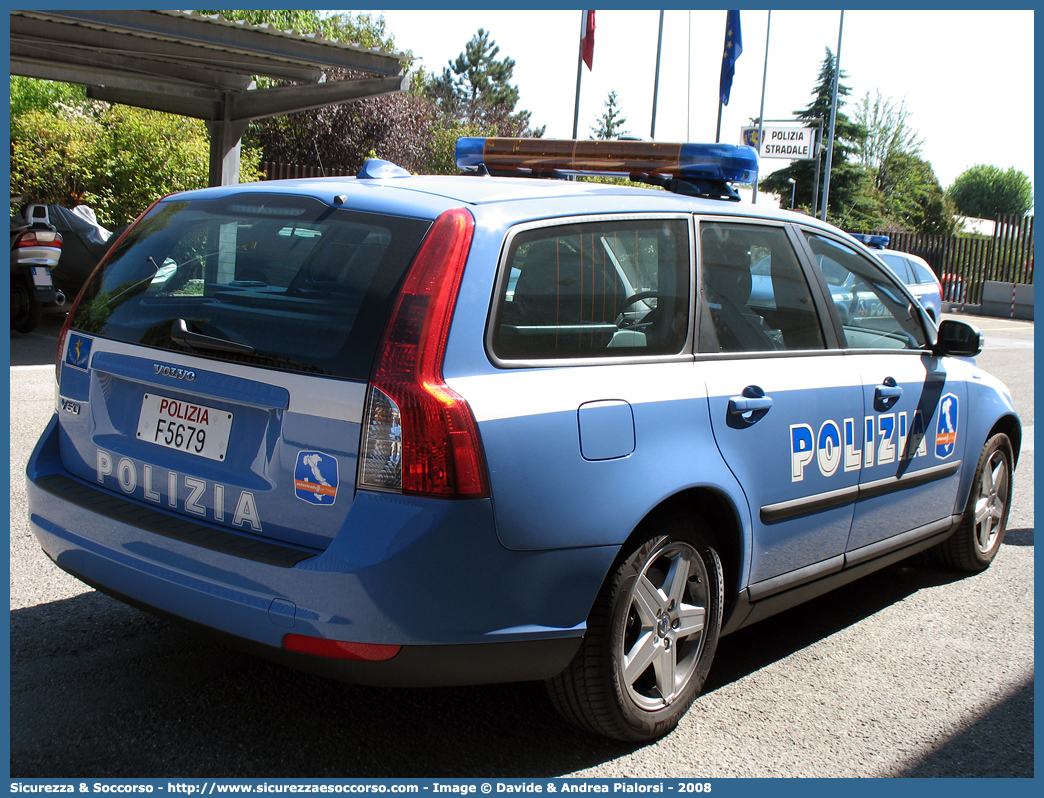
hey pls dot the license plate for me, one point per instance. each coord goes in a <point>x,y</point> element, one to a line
<point>184,426</point>
<point>42,277</point>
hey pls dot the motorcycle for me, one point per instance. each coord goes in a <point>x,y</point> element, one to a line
<point>36,247</point>
<point>85,242</point>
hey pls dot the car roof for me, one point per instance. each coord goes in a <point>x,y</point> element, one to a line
<point>907,255</point>
<point>426,196</point>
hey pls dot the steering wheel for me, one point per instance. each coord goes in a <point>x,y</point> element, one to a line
<point>639,297</point>
<point>621,320</point>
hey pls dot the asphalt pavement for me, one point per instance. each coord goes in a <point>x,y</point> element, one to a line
<point>912,671</point>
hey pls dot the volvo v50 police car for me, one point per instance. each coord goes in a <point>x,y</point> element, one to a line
<point>423,430</point>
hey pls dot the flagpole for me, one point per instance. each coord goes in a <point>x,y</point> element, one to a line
<point>579,70</point>
<point>761,114</point>
<point>833,119</point>
<point>656,79</point>
<point>688,85</point>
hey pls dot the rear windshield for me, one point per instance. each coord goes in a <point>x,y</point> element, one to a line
<point>276,281</point>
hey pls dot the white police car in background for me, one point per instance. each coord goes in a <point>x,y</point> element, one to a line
<point>914,271</point>
<point>412,430</point>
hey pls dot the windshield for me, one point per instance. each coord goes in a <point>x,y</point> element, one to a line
<point>273,280</point>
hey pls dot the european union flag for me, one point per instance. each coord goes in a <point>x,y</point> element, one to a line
<point>733,48</point>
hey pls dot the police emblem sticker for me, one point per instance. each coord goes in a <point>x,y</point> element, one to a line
<point>315,478</point>
<point>946,428</point>
<point>78,355</point>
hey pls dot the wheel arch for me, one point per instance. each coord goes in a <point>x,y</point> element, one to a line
<point>722,522</point>
<point>1011,427</point>
<point>1007,423</point>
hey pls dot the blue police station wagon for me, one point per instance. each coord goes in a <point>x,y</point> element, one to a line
<point>410,431</point>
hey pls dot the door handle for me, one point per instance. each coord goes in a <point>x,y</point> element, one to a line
<point>887,394</point>
<point>743,404</point>
<point>748,408</point>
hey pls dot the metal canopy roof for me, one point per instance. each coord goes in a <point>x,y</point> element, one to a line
<point>197,66</point>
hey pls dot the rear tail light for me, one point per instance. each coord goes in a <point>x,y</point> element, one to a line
<point>61,340</point>
<point>40,238</point>
<point>419,436</point>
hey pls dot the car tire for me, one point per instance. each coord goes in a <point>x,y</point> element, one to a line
<point>653,630</point>
<point>978,537</point>
<point>26,310</point>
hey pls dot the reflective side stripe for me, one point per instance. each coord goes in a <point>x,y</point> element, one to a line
<point>773,513</point>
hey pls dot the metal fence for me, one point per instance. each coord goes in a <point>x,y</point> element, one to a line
<point>281,171</point>
<point>963,264</point>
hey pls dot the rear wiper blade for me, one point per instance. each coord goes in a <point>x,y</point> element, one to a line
<point>180,332</point>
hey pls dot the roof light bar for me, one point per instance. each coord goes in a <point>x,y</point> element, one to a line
<point>719,162</point>
<point>877,242</point>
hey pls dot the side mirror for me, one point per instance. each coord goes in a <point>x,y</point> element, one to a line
<point>958,338</point>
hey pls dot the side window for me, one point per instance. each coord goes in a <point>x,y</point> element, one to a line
<point>873,312</point>
<point>922,274</point>
<point>754,291</point>
<point>599,289</point>
<point>899,265</point>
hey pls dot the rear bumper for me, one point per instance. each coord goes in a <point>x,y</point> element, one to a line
<point>427,575</point>
<point>413,666</point>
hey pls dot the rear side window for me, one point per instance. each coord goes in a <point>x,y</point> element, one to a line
<point>754,291</point>
<point>271,280</point>
<point>922,274</point>
<point>600,289</point>
<point>900,266</point>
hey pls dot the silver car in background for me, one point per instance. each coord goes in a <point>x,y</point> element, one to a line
<point>915,273</point>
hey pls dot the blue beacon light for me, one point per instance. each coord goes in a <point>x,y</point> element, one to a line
<point>875,241</point>
<point>717,162</point>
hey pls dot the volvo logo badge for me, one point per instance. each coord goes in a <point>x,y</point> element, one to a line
<point>663,625</point>
<point>181,374</point>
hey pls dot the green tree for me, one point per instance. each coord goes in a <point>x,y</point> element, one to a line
<point>442,155</point>
<point>28,94</point>
<point>887,132</point>
<point>54,157</point>
<point>117,159</point>
<point>476,89</point>
<point>985,191</point>
<point>610,126</point>
<point>905,187</point>
<point>363,30</point>
<point>340,138</point>
<point>167,153</point>
<point>911,197</point>
<point>850,182</point>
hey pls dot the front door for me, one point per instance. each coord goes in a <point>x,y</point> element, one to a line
<point>913,413</point>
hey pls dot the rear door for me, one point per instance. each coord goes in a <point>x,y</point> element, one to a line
<point>590,415</point>
<point>785,411</point>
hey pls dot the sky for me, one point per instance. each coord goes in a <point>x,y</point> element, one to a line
<point>966,76</point>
